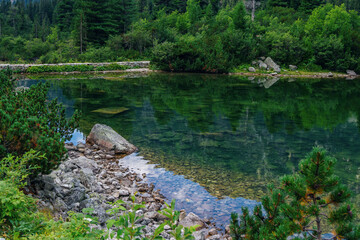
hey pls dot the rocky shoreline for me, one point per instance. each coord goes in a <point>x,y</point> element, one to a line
<point>93,177</point>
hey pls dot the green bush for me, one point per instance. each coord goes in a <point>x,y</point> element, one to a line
<point>124,223</point>
<point>17,169</point>
<point>310,202</point>
<point>17,217</point>
<point>28,121</point>
<point>77,226</point>
<point>112,66</point>
<point>60,68</point>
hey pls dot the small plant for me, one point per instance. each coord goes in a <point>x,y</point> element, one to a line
<point>126,226</point>
<point>179,232</point>
<point>76,226</point>
<point>17,212</point>
<point>17,169</point>
<point>311,202</point>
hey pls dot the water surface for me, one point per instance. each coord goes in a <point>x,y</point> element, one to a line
<point>220,139</point>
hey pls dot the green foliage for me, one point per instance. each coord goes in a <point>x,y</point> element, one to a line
<point>311,202</point>
<point>112,66</point>
<point>76,226</point>
<point>74,68</point>
<point>125,223</point>
<point>19,219</point>
<point>59,68</point>
<point>207,36</point>
<point>178,232</point>
<point>17,169</point>
<point>17,216</point>
<point>28,121</point>
<point>125,226</point>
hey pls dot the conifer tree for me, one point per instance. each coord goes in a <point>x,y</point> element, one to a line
<point>311,202</point>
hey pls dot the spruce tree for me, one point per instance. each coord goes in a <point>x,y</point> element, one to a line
<point>64,14</point>
<point>311,202</point>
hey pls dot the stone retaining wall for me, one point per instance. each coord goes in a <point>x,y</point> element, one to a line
<point>23,67</point>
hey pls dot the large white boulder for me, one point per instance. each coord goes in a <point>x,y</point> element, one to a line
<point>105,137</point>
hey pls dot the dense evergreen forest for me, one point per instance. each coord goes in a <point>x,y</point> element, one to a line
<point>179,35</point>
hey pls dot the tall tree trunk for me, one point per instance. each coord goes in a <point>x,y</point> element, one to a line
<point>253,10</point>
<point>81,33</point>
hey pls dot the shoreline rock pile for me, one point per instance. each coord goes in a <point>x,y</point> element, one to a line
<point>265,64</point>
<point>92,177</point>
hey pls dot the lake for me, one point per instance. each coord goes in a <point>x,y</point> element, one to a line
<point>214,142</point>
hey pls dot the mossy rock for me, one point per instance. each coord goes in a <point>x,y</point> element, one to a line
<point>111,110</point>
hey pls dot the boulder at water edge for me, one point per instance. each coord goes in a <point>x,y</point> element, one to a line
<point>105,137</point>
<point>351,72</point>
<point>272,65</point>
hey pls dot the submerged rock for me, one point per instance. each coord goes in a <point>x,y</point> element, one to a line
<point>111,110</point>
<point>272,65</point>
<point>105,137</point>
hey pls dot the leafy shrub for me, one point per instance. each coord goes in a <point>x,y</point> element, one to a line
<point>125,227</point>
<point>112,66</point>
<point>60,68</point>
<point>77,226</point>
<point>311,202</point>
<point>17,169</point>
<point>29,121</point>
<point>100,54</point>
<point>17,216</point>
<point>179,232</point>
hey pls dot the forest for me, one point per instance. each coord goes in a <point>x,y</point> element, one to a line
<point>187,36</point>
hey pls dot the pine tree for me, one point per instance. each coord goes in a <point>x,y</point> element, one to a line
<point>64,14</point>
<point>309,203</point>
<point>130,13</point>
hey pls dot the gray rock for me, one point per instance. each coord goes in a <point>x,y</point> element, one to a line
<point>191,220</point>
<point>351,73</point>
<point>105,137</point>
<point>262,65</point>
<point>76,195</point>
<point>200,235</point>
<point>272,65</point>
<point>216,237</point>
<point>60,205</point>
<point>254,63</point>
<point>123,193</point>
<point>80,145</point>
<point>293,67</point>
<point>262,58</point>
<point>155,216</point>
<point>252,69</point>
<point>227,229</point>
<point>213,232</point>
<point>330,74</point>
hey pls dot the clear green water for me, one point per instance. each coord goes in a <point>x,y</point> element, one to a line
<point>230,135</point>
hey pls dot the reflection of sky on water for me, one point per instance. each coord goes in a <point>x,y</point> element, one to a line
<point>77,137</point>
<point>188,195</point>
